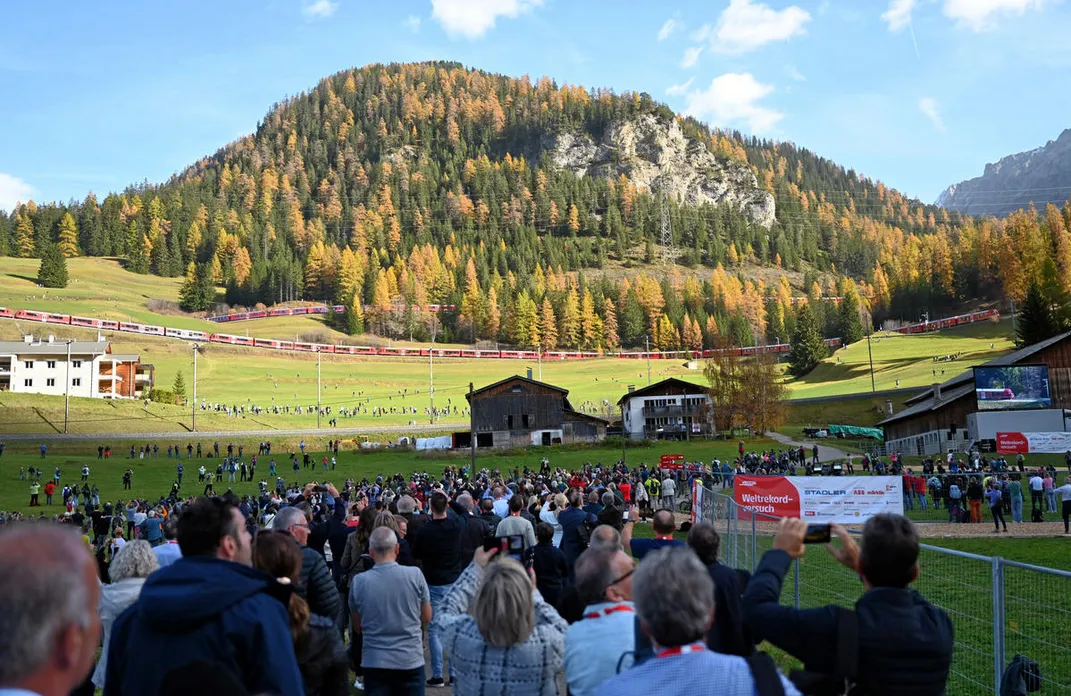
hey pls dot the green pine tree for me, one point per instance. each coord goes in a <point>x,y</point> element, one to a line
<point>808,348</point>
<point>1035,322</point>
<point>849,323</point>
<point>53,270</point>
<point>179,386</point>
<point>137,254</point>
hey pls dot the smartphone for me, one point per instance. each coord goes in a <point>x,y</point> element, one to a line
<point>515,546</point>
<point>512,545</point>
<point>817,534</point>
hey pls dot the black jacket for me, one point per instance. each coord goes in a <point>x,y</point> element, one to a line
<point>472,536</point>
<point>322,659</point>
<point>317,587</point>
<point>905,643</point>
<point>437,546</point>
<point>728,635</point>
<point>548,561</point>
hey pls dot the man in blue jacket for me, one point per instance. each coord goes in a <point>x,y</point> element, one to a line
<point>570,519</point>
<point>209,609</point>
<point>904,642</point>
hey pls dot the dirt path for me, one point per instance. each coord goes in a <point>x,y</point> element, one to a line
<point>825,452</point>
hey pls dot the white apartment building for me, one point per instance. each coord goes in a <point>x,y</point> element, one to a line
<point>671,408</point>
<point>34,366</point>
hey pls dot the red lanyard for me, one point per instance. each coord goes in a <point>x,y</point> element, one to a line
<point>682,650</point>
<point>610,610</point>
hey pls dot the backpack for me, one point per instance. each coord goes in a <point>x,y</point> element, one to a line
<point>1022,677</point>
<point>584,533</point>
<point>1036,515</point>
<point>764,674</point>
<point>841,681</point>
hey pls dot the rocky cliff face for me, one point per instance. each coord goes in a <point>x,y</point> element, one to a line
<point>656,155</point>
<point>1038,176</point>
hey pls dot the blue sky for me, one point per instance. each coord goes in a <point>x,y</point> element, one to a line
<point>917,93</point>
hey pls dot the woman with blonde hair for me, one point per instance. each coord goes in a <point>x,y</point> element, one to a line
<point>549,514</point>
<point>501,636</point>
<point>131,564</point>
<point>317,643</point>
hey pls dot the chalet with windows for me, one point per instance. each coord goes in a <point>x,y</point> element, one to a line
<point>520,412</point>
<point>32,366</point>
<point>670,409</point>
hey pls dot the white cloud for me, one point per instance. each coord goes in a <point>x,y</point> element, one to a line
<point>978,15</point>
<point>898,15</point>
<point>931,110</point>
<point>321,9</point>
<point>733,98</point>
<point>691,56</point>
<point>745,26</point>
<point>702,33</point>
<point>677,90</point>
<point>412,23</point>
<point>667,29</point>
<point>472,19</point>
<point>13,190</point>
<point>796,74</point>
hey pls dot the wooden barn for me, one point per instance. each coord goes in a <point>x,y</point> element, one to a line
<point>938,419</point>
<point>520,412</point>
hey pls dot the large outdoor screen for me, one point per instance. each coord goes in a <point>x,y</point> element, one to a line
<point>1013,387</point>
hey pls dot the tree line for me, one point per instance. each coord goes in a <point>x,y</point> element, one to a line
<point>412,184</point>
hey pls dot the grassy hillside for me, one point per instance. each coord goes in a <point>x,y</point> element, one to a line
<point>904,361</point>
<point>245,376</point>
<point>102,288</point>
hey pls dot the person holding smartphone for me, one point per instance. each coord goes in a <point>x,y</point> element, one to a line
<point>887,564</point>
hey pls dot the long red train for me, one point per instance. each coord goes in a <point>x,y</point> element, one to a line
<point>317,309</point>
<point>279,344</point>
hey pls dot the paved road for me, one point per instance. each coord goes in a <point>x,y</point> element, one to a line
<point>220,434</point>
<point>825,452</point>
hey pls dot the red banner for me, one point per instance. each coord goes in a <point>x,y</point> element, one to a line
<point>770,495</point>
<point>671,461</point>
<point>1012,443</point>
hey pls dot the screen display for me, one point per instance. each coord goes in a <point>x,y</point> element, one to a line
<point>1012,388</point>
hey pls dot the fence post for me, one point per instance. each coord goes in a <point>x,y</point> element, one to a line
<point>796,572</point>
<point>754,545</point>
<point>998,622</point>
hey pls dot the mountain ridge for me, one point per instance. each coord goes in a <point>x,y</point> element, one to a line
<point>1038,176</point>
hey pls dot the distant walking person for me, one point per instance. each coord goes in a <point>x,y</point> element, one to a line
<point>992,496</point>
<point>1064,492</point>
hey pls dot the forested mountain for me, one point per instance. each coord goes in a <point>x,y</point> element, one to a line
<point>536,208</point>
<point>1037,177</point>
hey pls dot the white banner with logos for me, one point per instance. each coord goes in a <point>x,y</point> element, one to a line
<point>842,499</point>
<point>1040,443</point>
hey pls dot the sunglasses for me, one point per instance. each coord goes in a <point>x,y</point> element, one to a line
<point>623,577</point>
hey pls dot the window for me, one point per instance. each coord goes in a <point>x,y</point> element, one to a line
<point>524,420</point>
<point>28,364</point>
<point>509,422</point>
<point>51,364</point>
<point>27,382</point>
<point>76,382</point>
<point>50,382</point>
<point>76,364</point>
